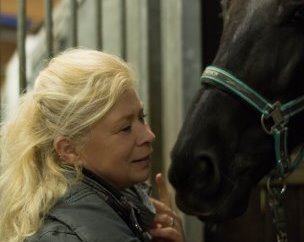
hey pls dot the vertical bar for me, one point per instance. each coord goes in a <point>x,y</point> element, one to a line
<point>191,63</point>
<point>191,36</point>
<point>1,72</point>
<point>155,84</point>
<point>98,20</point>
<point>74,22</point>
<point>21,31</point>
<point>49,27</point>
<point>123,30</point>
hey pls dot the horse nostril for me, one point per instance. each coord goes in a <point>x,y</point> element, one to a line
<point>208,166</point>
<point>206,174</point>
<point>205,165</point>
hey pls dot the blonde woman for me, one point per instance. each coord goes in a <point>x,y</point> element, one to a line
<point>75,156</point>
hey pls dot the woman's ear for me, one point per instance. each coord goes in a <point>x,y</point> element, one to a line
<point>66,150</point>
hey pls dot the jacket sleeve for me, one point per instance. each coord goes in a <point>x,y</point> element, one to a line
<point>58,237</point>
<point>54,231</point>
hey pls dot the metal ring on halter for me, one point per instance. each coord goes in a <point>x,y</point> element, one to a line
<point>270,189</point>
<point>268,131</point>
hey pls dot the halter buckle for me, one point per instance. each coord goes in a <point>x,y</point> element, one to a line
<point>277,117</point>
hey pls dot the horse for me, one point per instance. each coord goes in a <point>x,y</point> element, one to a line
<point>247,117</point>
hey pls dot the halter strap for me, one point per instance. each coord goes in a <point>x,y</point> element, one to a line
<point>277,112</point>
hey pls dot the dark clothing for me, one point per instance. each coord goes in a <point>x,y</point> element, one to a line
<point>93,211</point>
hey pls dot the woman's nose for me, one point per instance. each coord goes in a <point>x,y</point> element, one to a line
<point>150,134</point>
<point>147,135</point>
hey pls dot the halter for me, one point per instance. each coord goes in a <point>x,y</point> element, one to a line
<point>279,114</point>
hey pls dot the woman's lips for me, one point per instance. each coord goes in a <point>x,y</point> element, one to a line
<point>146,158</point>
<point>142,163</point>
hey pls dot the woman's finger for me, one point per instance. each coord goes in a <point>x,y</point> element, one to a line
<point>163,191</point>
<point>164,220</point>
<point>161,207</point>
<point>168,234</point>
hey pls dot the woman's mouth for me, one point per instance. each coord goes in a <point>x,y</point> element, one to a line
<point>146,158</point>
<point>144,161</point>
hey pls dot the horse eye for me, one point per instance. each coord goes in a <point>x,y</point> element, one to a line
<point>299,15</point>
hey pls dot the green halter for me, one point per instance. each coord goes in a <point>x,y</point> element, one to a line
<point>279,113</point>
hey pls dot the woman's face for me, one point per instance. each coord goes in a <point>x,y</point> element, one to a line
<point>119,146</point>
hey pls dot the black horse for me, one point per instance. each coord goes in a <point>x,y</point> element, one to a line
<point>248,115</point>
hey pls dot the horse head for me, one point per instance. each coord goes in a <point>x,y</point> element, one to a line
<point>222,151</point>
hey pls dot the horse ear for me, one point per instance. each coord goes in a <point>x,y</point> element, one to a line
<point>66,150</point>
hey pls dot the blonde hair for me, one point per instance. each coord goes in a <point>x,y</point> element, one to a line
<point>75,90</point>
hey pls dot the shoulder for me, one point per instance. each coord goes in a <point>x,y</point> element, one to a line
<point>54,231</point>
<point>84,215</point>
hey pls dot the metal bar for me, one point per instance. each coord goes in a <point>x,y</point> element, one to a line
<point>98,20</point>
<point>155,64</point>
<point>74,22</point>
<point>21,32</point>
<point>123,30</point>
<point>49,27</point>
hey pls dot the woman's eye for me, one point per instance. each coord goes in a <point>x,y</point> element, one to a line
<point>126,129</point>
<point>142,117</point>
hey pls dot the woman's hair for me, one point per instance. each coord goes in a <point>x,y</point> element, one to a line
<point>75,90</point>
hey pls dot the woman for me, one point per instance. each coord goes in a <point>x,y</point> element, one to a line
<point>75,156</point>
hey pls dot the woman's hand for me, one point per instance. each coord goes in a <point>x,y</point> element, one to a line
<point>167,224</point>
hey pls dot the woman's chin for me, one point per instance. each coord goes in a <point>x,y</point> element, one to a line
<point>141,176</point>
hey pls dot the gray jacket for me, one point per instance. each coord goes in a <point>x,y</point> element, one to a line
<point>93,212</point>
